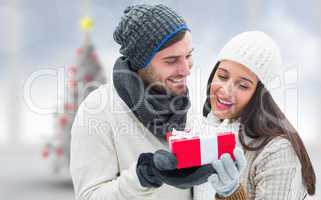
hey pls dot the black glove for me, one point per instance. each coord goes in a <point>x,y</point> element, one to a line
<point>155,169</point>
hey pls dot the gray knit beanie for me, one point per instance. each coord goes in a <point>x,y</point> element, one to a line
<point>144,29</point>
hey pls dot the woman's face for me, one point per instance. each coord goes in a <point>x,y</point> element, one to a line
<point>232,87</point>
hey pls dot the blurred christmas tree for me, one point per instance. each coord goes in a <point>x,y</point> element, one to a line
<point>83,77</point>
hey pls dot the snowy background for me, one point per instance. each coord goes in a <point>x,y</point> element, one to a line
<point>39,35</point>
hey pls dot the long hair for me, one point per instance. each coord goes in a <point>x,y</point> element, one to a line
<point>262,119</point>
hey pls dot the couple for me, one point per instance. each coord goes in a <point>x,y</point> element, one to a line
<point>119,151</point>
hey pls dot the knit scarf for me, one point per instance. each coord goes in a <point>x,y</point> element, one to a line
<point>158,111</point>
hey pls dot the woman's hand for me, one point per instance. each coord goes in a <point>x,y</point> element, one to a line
<point>226,180</point>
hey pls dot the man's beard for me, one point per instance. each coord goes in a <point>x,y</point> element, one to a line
<point>157,86</point>
<point>152,83</point>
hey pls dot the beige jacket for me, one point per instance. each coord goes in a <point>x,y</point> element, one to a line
<point>272,174</point>
<point>106,142</point>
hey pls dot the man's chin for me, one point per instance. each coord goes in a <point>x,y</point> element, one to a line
<point>178,91</point>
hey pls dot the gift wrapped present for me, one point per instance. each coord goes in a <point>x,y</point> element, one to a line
<point>193,150</point>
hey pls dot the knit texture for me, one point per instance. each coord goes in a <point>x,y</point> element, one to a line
<point>158,111</point>
<point>275,174</point>
<point>257,51</point>
<point>272,174</point>
<point>144,29</point>
<point>107,140</point>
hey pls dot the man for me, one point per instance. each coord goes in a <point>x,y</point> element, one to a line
<point>114,129</point>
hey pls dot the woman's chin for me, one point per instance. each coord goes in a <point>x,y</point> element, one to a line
<point>221,114</point>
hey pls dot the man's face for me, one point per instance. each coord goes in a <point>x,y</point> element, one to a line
<point>170,67</point>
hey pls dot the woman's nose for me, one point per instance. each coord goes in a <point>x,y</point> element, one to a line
<point>228,88</point>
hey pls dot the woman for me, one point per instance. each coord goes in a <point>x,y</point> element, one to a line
<point>278,166</point>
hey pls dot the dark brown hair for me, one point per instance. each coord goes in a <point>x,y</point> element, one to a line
<point>262,119</point>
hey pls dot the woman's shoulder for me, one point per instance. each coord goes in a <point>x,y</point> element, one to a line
<point>278,166</point>
<point>280,151</point>
<point>278,143</point>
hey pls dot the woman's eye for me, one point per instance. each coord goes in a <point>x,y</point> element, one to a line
<point>222,77</point>
<point>244,87</point>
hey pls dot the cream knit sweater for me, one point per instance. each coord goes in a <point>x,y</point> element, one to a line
<point>106,142</point>
<point>275,174</point>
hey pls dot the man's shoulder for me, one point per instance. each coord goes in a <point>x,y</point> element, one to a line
<point>99,95</point>
<point>104,99</point>
<point>103,96</point>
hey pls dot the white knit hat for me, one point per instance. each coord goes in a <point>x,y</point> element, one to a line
<point>255,50</point>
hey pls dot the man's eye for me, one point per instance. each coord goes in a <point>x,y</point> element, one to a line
<point>170,61</point>
<point>189,56</point>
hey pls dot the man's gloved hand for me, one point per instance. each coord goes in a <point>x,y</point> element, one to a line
<point>226,180</point>
<point>155,169</point>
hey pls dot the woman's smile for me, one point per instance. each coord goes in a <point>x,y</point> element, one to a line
<point>223,104</point>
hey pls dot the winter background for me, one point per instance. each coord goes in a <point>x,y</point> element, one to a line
<point>40,35</point>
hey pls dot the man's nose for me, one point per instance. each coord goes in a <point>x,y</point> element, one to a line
<point>184,68</point>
